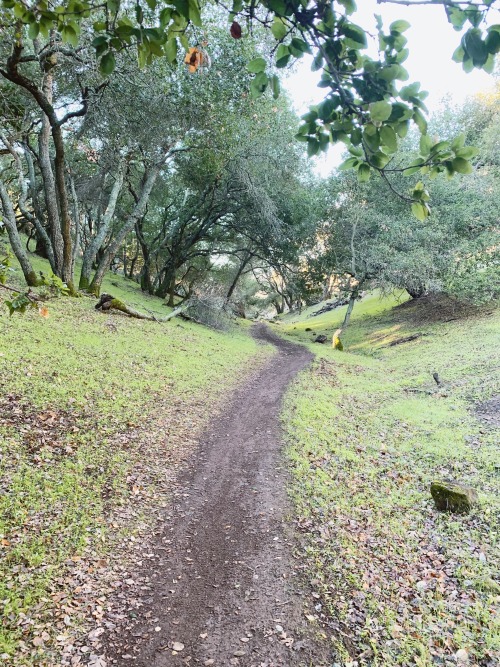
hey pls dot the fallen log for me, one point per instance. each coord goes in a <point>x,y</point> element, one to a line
<point>108,302</point>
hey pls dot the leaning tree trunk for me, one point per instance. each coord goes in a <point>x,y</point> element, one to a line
<point>9,221</point>
<point>241,268</point>
<point>44,245</point>
<point>350,306</point>
<point>96,244</point>
<point>32,217</point>
<point>108,302</point>
<point>416,291</point>
<point>137,213</point>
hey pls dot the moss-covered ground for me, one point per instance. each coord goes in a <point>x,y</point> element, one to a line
<point>95,410</point>
<point>395,582</point>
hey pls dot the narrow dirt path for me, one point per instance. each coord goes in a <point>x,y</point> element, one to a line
<point>223,585</point>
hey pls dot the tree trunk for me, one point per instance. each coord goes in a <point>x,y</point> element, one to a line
<point>44,245</point>
<point>133,262</point>
<point>49,186</point>
<point>241,268</point>
<point>171,291</point>
<point>416,291</point>
<point>137,212</point>
<point>65,217</point>
<point>76,218</point>
<point>350,306</point>
<point>32,218</point>
<point>14,238</point>
<point>107,302</point>
<point>96,243</point>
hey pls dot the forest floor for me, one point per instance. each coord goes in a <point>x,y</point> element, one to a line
<point>149,515</point>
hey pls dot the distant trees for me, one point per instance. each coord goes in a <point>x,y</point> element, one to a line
<point>370,239</point>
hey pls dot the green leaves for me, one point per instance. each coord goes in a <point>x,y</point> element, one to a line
<point>380,111</point>
<point>364,172</point>
<point>399,26</point>
<point>474,47</point>
<point>461,165</point>
<point>420,210</point>
<point>419,207</point>
<point>388,138</point>
<point>354,35</point>
<point>278,28</point>
<point>282,56</point>
<point>257,65</point>
<point>19,304</point>
<point>194,12</point>
<point>69,34</point>
<point>258,85</point>
<point>107,63</point>
<point>350,163</point>
<point>171,50</point>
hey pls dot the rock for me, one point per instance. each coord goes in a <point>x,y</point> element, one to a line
<point>454,497</point>
<point>320,339</point>
<point>308,329</point>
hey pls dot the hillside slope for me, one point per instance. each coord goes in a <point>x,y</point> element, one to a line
<point>395,582</point>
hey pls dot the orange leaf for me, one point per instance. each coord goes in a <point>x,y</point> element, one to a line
<point>44,312</point>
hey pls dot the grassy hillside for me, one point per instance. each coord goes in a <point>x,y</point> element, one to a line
<point>97,411</point>
<point>396,582</point>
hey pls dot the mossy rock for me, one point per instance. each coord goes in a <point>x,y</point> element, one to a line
<point>453,497</point>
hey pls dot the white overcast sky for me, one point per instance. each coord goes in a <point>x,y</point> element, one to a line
<point>431,41</point>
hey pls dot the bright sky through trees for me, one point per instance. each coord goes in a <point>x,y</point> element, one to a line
<point>431,41</point>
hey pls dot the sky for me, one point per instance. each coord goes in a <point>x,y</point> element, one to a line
<point>431,42</point>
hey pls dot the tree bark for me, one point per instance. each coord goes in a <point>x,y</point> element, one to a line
<point>416,292</point>
<point>76,218</point>
<point>137,212</point>
<point>14,238</point>
<point>241,268</point>
<point>96,243</point>
<point>23,195</point>
<point>49,186</point>
<point>108,302</point>
<point>65,217</point>
<point>350,306</point>
<point>43,237</point>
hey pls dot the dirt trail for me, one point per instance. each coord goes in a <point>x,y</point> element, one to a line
<point>224,582</point>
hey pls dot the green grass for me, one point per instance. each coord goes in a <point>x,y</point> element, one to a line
<point>368,430</point>
<point>365,310</point>
<point>87,401</point>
